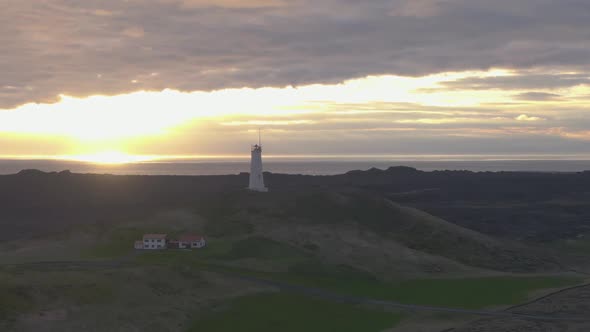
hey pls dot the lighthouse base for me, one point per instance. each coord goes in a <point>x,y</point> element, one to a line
<point>261,190</point>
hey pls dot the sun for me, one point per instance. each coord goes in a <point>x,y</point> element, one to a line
<point>108,158</point>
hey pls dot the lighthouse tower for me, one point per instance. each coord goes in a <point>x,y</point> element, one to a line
<point>256,178</point>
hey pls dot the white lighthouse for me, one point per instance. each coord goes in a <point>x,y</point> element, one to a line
<point>256,178</point>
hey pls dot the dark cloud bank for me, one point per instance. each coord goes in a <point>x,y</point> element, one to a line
<point>112,46</point>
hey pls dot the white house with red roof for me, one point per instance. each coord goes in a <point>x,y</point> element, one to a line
<point>155,241</point>
<point>161,241</point>
<point>191,241</point>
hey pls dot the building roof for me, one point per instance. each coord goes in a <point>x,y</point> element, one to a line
<point>190,238</point>
<point>155,236</point>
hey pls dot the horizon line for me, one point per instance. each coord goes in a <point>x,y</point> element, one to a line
<point>138,158</point>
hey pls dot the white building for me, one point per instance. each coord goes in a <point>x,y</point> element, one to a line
<point>256,177</point>
<point>154,241</point>
<point>191,241</point>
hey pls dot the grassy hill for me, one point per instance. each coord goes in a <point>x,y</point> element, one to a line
<point>297,313</point>
<point>344,238</point>
<point>328,221</point>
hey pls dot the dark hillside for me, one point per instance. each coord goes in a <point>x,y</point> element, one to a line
<point>34,203</point>
<point>538,207</point>
<point>409,227</point>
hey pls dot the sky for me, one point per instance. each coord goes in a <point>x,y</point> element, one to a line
<point>108,78</point>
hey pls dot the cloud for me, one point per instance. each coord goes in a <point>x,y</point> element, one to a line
<point>58,47</point>
<point>418,8</point>
<point>537,96</point>
<point>227,122</point>
<point>524,117</point>
<point>134,32</point>
<point>228,3</point>
<point>520,81</point>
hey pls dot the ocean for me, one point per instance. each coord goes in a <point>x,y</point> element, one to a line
<point>289,166</point>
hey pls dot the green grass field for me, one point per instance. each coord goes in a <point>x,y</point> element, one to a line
<point>174,279</point>
<point>468,293</point>
<point>580,245</point>
<point>14,300</point>
<point>293,313</point>
<point>118,243</point>
<point>21,293</point>
<point>264,248</point>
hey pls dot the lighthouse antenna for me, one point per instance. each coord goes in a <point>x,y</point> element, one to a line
<point>259,139</point>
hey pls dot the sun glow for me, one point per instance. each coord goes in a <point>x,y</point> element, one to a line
<point>125,128</point>
<point>157,113</point>
<point>109,158</point>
